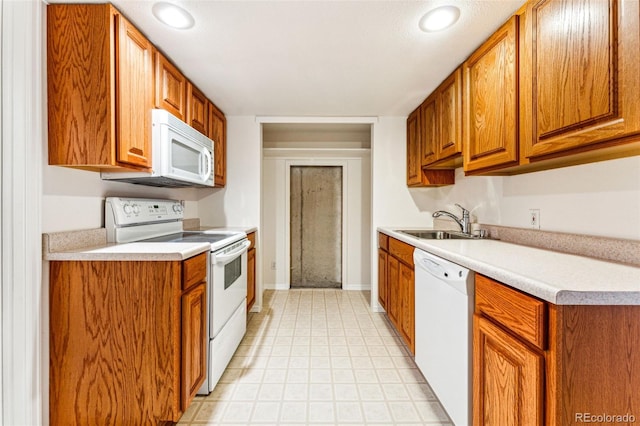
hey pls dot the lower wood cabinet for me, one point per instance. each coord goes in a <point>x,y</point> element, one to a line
<point>396,288</point>
<point>251,271</point>
<point>536,363</point>
<point>127,340</point>
<point>194,331</point>
<point>383,287</point>
<point>508,378</point>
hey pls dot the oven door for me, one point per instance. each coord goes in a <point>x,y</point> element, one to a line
<point>228,283</point>
<point>185,159</point>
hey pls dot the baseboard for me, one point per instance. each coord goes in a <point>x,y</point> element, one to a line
<point>357,287</point>
<point>276,286</point>
<point>350,287</point>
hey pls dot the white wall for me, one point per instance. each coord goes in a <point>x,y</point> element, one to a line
<point>357,213</point>
<point>601,199</point>
<point>74,199</point>
<point>238,203</point>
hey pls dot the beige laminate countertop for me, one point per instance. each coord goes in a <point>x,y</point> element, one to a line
<point>132,252</point>
<point>91,245</point>
<point>559,278</point>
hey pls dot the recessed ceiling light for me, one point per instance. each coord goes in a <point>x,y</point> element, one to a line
<point>172,15</point>
<point>439,18</point>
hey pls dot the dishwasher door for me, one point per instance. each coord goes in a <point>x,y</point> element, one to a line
<point>444,296</point>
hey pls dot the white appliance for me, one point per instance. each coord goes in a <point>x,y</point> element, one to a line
<point>136,219</point>
<point>180,155</point>
<point>444,296</point>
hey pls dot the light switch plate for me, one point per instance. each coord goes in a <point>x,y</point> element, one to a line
<point>534,218</point>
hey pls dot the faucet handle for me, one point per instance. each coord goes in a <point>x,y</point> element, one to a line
<point>465,212</point>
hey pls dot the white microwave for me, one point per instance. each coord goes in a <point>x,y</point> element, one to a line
<point>181,156</point>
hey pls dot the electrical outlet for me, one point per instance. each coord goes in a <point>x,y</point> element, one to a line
<point>534,218</point>
<point>273,266</point>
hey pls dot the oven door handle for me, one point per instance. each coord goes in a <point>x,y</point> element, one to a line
<point>228,257</point>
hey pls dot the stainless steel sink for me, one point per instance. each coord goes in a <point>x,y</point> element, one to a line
<point>439,235</point>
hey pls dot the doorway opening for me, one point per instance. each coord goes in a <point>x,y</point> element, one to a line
<point>316,225</point>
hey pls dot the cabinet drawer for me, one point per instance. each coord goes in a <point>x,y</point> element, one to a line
<point>194,270</point>
<point>402,251</point>
<point>520,313</point>
<point>252,238</point>
<point>383,241</point>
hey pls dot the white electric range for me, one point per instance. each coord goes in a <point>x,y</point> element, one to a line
<point>148,220</point>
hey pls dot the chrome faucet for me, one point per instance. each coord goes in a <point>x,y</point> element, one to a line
<point>463,222</point>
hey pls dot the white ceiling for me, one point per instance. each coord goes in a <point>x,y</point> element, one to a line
<point>318,58</point>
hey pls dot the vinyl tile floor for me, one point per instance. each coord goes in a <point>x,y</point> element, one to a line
<point>319,357</point>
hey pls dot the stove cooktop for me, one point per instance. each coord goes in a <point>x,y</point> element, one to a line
<point>190,237</point>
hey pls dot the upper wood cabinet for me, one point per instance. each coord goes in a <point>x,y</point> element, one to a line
<point>580,81</point>
<point>491,102</point>
<point>171,87</point>
<point>428,129</point>
<point>414,166</point>
<point>442,124</point>
<point>450,103</point>
<point>100,88</point>
<point>197,109</point>
<point>416,175</point>
<point>218,133</point>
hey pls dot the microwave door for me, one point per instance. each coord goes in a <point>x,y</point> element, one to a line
<point>188,160</point>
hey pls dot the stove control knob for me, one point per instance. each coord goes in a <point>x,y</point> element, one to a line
<point>136,209</point>
<point>177,208</point>
<point>127,209</point>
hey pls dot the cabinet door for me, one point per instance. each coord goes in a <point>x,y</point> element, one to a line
<point>218,133</point>
<point>197,109</point>
<point>394,301</point>
<point>251,278</point>
<point>407,312</point>
<point>581,79</point>
<point>382,279</point>
<point>171,88</point>
<point>194,341</point>
<point>491,108</point>
<point>449,141</point>
<point>134,64</point>
<point>508,378</point>
<point>429,130</point>
<point>414,172</point>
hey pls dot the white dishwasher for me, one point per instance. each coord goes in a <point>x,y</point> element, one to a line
<point>443,340</point>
